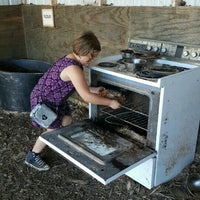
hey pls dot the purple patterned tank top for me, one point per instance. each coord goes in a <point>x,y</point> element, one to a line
<point>50,89</point>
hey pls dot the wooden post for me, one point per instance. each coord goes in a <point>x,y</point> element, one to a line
<point>53,2</point>
<point>24,2</point>
<point>176,2</point>
<point>100,2</point>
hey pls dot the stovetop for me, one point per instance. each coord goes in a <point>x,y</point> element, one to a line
<point>160,59</point>
<point>151,70</point>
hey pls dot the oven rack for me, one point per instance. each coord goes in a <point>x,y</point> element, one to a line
<point>128,115</point>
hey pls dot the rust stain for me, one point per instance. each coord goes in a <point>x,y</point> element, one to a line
<point>181,152</point>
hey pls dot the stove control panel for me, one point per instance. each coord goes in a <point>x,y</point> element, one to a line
<point>168,49</point>
<point>152,46</point>
<point>165,48</point>
<point>138,46</point>
<point>191,53</point>
<point>145,46</point>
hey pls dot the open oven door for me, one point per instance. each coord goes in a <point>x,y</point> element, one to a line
<point>100,152</point>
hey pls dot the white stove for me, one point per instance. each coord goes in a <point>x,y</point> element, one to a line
<point>153,136</point>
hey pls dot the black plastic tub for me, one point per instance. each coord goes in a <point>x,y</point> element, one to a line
<point>17,79</point>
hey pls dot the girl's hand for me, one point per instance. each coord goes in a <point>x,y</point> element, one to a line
<point>97,90</point>
<point>114,104</point>
<point>100,89</point>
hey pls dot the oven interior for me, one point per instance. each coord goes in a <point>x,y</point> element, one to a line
<point>131,119</point>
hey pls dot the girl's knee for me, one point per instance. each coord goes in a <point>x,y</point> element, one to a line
<point>67,120</point>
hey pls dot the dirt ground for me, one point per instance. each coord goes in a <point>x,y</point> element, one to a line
<point>64,180</point>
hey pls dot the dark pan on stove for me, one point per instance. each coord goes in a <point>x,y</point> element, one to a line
<point>107,64</point>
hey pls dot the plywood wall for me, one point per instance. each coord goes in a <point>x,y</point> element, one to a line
<point>22,33</point>
<point>49,43</point>
<point>112,25</point>
<point>105,2</point>
<point>177,24</point>
<point>12,44</point>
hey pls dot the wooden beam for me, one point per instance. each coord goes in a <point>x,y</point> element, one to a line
<point>53,2</point>
<point>101,2</point>
<point>176,2</point>
<point>24,1</point>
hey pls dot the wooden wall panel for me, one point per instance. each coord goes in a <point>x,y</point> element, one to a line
<point>178,24</point>
<point>112,25</point>
<point>109,24</point>
<point>12,44</point>
<point>47,43</point>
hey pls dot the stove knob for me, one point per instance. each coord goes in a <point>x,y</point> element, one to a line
<point>155,49</point>
<point>186,53</point>
<point>149,48</point>
<point>164,50</point>
<point>194,54</point>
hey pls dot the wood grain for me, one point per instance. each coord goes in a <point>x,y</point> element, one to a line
<point>112,25</point>
<point>12,43</point>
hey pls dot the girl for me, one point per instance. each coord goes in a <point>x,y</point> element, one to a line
<point>58,83</point>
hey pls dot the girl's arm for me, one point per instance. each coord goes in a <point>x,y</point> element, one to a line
<point>96,90</point>
<point>76,75</point>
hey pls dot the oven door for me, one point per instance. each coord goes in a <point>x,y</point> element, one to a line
<point>98,150</point>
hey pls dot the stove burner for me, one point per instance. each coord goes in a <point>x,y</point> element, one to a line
<point>159,71</point>
<point>107,64</point>
<point>150,74</point>
<point>138,56</point>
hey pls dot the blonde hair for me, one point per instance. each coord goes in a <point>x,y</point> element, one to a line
<point>86,43</point>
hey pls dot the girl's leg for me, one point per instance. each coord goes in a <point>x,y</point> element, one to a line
<point>33,158</point>
<point>66,120</point>
<point>39,145</point>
